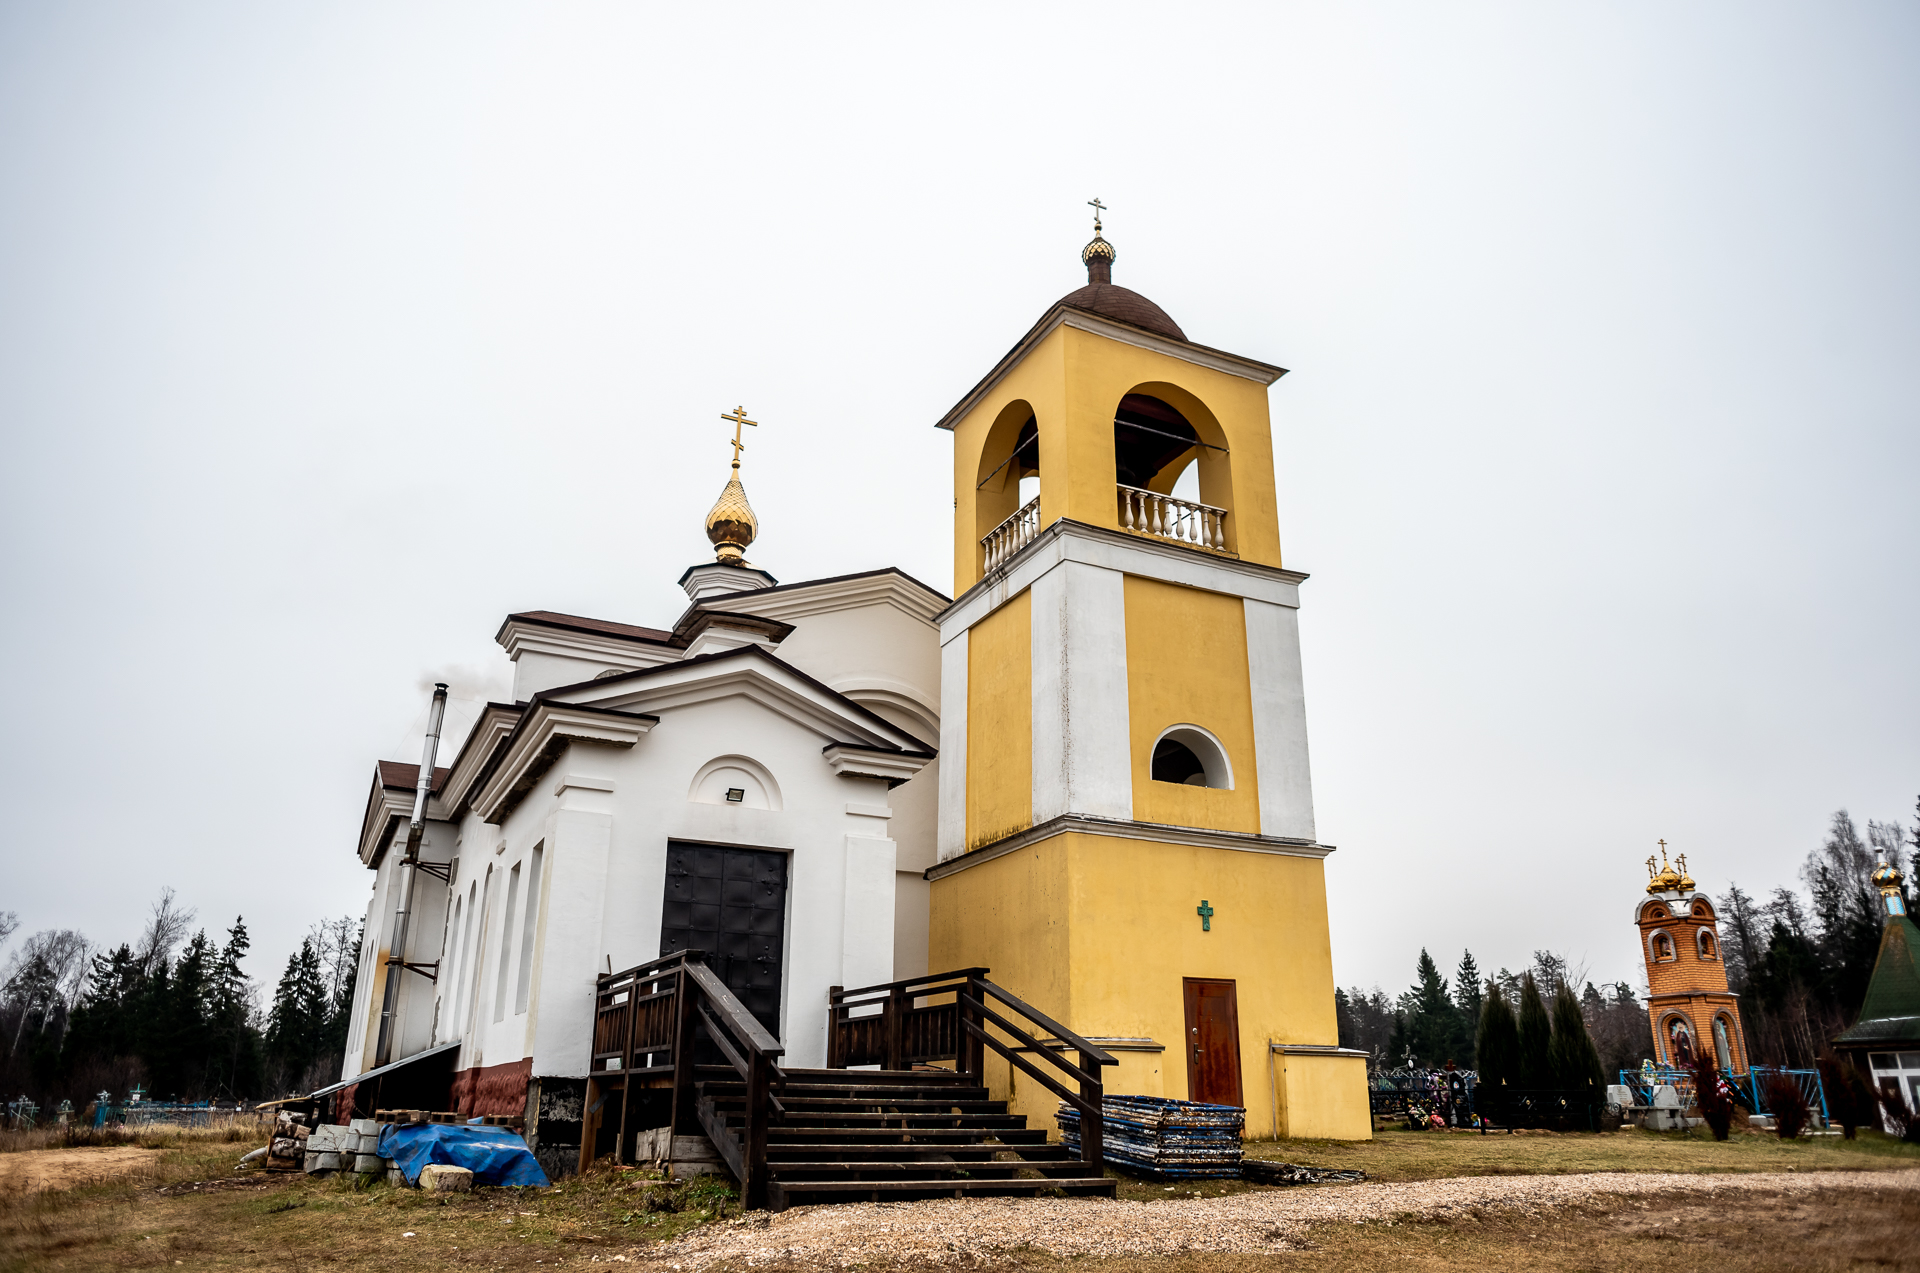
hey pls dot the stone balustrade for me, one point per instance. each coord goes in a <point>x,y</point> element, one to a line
<point>1010,536</point>
<point>1165,517</point>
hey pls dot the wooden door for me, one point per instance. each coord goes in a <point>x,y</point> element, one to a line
<point>1213,1041</point>
<point>731,903</point>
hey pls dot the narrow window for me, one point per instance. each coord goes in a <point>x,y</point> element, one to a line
<point>506,943</point>
<point>529,919</point>
<point>465,953</point>
<point>450,987</point>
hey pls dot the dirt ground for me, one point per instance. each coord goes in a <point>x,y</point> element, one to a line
<point>181,1205</point>
<point>68,1168</point>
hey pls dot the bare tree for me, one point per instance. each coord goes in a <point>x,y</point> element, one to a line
<point>44,979</point>
<point>8,923</point>
<point>166,928</point>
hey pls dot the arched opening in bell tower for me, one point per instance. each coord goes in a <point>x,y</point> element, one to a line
<point>1006,493</point>
<point>1171,468</point>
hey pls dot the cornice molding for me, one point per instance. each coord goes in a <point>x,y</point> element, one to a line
<point>1082,320</point>
<point>824,596</point>
<point>546,732</point>
<point>495,723</point>
<point>521,636</point>
<point>892,767</point>
<point>1066,540</point>
<point>1126,829</point>
<point>388,805</point>
<point>749,672</point>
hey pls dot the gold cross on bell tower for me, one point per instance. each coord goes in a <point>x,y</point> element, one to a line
<point>739,417</point>
<point>1098,207</point>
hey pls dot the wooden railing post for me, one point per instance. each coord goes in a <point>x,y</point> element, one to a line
<point>754,1188</point>
<point>685,1119</point>
<point>1093,1120</point>
<point>895,1024</point>
<point>973,1050</point>
<point>835,1048</point>
<point>626,1071</point>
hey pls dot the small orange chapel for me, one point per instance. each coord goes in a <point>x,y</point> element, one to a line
<point>1688,1000</point>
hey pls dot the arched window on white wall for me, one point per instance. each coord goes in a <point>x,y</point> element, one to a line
<point>1192,757</point>
<point>738,781</point>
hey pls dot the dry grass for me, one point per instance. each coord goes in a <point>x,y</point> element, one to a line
<point>1666,1233</point>
<point>186,1208</point>
<point>1404,1155</point>
<point>232,1129</point>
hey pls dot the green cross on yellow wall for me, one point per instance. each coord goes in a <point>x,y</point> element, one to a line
<point>1205,912</point>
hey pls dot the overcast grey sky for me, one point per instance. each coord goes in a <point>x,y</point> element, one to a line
<point>331,333</point>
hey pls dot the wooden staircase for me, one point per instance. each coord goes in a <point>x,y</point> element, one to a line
<point>898,1131</point>
<point>851,1135</point>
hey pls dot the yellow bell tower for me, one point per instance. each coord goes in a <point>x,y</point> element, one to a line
<point>1126,813</point>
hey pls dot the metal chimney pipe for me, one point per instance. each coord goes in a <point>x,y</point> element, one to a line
<point>403,886</point>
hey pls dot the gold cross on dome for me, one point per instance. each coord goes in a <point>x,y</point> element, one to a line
<point>1098,207</point>
<point>739,417</point>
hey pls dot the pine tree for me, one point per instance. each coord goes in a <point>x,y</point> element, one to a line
<point>1533,1063</point>
<point>1574,1061</point>
<point>1429,1024</point>
<point>234,1042</point>
<point>297,1024</point>
<point>1467,997</point>
<point>1497,1045</point>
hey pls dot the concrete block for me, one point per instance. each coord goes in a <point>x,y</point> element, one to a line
<point>369,1164</point>
<point>365,1126</point>
<point>1665,1097</point>
<point>323,1160</point>
<point>445,1178</point>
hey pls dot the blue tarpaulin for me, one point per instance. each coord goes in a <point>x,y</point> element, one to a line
<point>495,1155</point>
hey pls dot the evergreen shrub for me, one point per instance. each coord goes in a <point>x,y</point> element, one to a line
<point>1711,1094</point>
<point>1787,1104</point>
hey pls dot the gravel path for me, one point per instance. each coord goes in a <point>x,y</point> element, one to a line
<point>956,1230</point>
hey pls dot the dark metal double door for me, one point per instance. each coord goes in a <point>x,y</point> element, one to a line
<point>732,904</point>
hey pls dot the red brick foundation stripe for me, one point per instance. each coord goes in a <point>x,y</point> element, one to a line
<point>492,1089</point>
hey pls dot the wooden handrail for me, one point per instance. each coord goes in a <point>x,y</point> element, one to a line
<point>900,1034</point>
<point>838,995</point>
<point>699,1000</point>
<point>1040,1018</point>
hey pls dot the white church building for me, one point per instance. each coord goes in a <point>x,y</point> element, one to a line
<point>596,821</point>
<point>1123,832</point>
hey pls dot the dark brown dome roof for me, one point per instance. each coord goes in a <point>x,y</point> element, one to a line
<point>1101,297</point>
<point>1124,306</point>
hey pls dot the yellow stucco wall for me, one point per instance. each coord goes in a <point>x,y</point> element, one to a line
<point>1321,1097</point>
<point>1074,380</point>
<point>1000,723</point>
<point>1187,664</point>
<point>1099,932</point>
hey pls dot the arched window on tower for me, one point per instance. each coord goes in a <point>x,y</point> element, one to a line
<point>1662,947</point>
<point>1709,948</point>
<point>1006,494</point>
<point>1157,458</point>
<point>1192,757</point>
<point>1722,1046</point>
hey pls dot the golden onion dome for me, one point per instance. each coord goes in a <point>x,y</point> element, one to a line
<point>731,525</point>
<point>1886,877</point>
<point>1099,247</point>
<point>1666,879</point>
<point>1685,884</point>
